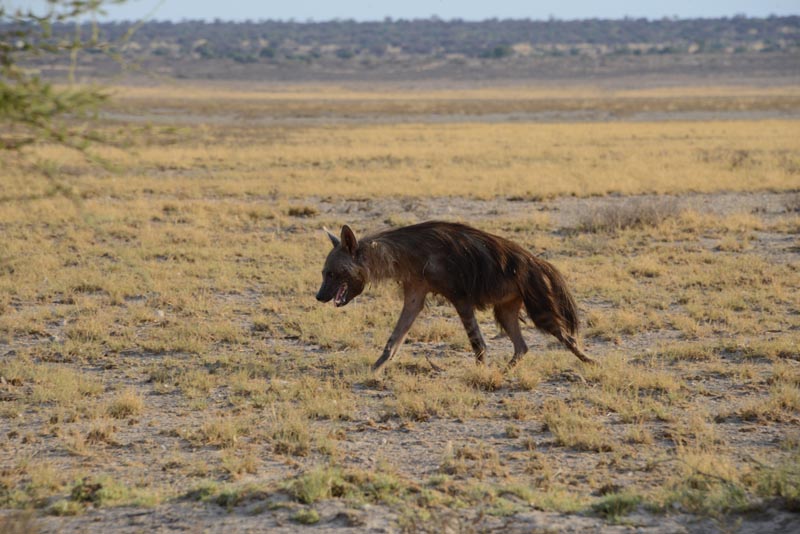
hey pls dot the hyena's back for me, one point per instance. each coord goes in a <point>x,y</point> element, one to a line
<point>465,264</point>
<point>461,263</point>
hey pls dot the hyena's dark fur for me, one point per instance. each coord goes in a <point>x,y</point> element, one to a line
<point>470,268</point>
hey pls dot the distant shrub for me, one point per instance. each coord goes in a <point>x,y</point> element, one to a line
<point>632,213</point>
<point>345,53</point>
<point>497,52</point>
<point>302,211</point>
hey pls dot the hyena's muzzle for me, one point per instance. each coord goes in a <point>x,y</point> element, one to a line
<point>342,277</point>
<point>333,290</point>
<point>340,290</point>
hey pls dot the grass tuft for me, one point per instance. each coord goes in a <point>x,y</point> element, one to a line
<point>574,426</point>
<point>306,516</point>
<point>483,377</point>
<point>615,506</point>
<point>127,403</point>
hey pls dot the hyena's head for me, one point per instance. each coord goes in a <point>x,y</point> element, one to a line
<point>343,276</point>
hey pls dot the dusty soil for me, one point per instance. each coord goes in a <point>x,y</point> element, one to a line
<point>336,518</point>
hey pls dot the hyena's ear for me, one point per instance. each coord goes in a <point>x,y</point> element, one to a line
<point>349,241</point>
<point>333,238</point>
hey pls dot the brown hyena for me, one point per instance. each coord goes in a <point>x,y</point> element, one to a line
<point>470,268</point>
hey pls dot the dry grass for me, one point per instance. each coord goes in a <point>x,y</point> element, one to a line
<point>573,426</point>
<point>126,404</point>
<point>480,160</point>
<point>168,311</point>
<point>420,399</point>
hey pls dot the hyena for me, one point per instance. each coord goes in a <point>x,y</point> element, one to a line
<point>470,268</point>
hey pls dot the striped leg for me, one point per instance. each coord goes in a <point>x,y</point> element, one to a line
<point>467,314</point>
<point>507,316</point>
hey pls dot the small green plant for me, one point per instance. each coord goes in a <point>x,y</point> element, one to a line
<point>100,491</point>
<point>616,505</point>
<point>317,484</point>
<point>326,482</point>
<point>306,516</point>
<point>228,498</point>
<point>781,482</point>
<point>65,507</point>
<point>203,491</point>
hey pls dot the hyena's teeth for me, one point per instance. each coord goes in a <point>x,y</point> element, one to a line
<point>340,295</point>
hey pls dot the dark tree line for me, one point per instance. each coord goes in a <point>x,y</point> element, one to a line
<point>253,41</point>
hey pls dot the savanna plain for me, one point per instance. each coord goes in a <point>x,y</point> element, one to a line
<point>164,366</point>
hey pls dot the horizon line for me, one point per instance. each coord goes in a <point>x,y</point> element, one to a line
<point>435,18</point>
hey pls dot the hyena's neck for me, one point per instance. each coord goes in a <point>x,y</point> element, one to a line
<point>378,259</point>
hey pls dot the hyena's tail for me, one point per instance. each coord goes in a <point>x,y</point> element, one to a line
<point>550,305</point>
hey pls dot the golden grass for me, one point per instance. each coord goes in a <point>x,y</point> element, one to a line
<point>253,91</point>
<point>420,399</point>
<point>480,160</point>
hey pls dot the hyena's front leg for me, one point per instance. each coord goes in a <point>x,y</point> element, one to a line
<point>413,302</point>
<point>467,314</point>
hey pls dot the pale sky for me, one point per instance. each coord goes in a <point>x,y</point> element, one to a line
<point>318,10</point>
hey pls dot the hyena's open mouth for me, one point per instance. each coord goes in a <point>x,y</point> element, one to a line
<point>341,295</point>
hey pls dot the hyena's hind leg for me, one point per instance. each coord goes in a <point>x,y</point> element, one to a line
<point>507,316</point>
<point>570,342</point>
<point>467,314</point>
<point>546,322</point>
